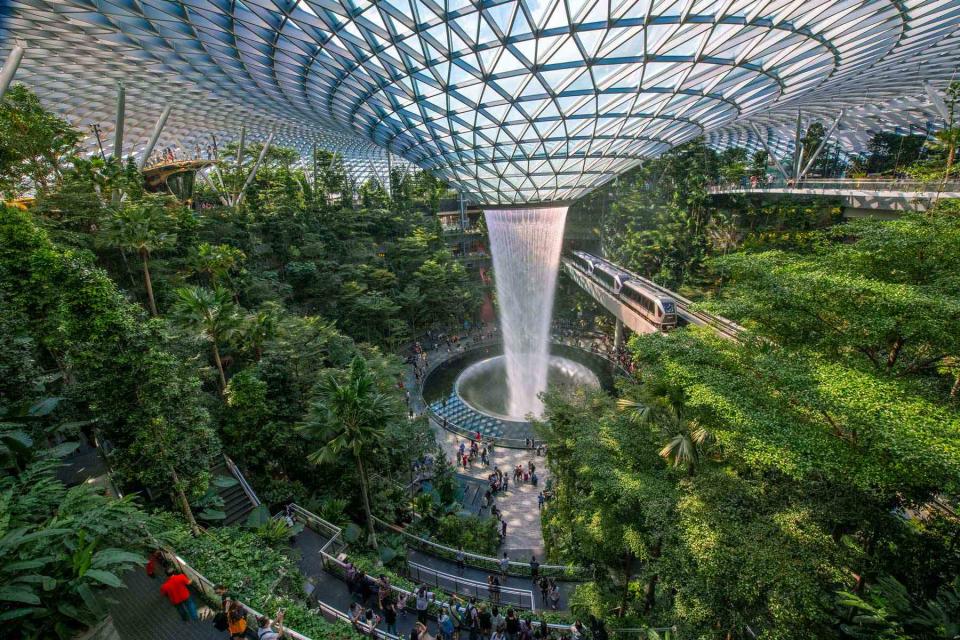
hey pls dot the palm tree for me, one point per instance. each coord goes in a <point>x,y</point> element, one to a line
<point>261,327</point>
<point>211,314</point>
<point>688,441</point>
<point>143,226</point>
<point>350,415</point>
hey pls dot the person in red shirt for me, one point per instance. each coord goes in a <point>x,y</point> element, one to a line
<point>177,592</point>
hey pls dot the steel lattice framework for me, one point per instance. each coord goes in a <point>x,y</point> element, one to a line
<point>512,100</point>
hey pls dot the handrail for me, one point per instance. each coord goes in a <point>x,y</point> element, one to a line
<point>524,597</point>
<point>870,184</point>
<point>515,568</point>
<point>454,427</point>
<point>247,489</point>
<point>328,612</point>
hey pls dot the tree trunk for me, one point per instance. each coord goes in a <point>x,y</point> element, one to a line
<point>184,503</point>
<point>145,256</point>
<point>956,387</point>
<point>364,492</point>
<point>216,359</point>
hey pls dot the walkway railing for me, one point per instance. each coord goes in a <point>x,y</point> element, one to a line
<point>486,563</point>
<point>247,489</point>
<point>334,545</point>
<point>519,598</point>
<point>206,587</point>
<point>836,184</point>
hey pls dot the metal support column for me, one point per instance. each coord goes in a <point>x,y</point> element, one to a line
<point>618,335</point>
<point>253,172</point>
<point>389,174</point>
<point>462,206</point>
<point>155,136</point>
<point>935,99</point>
<point>766,145</point>
<point>10,67</point>
<point>121,114</point>
<point>797,150</point>
<point>823,143</point>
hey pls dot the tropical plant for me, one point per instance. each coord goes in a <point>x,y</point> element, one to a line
<point>212,315</point>
<point>215,262</point>
<point>349,416</point>
<point>60,550</point>
<point>143,226</point>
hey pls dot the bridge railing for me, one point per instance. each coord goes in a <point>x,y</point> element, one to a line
<point>519,598</point>
<point>836,184</point>
<point>208,590</point>
<point>486,563</point>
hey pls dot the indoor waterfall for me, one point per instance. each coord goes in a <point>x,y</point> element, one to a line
<point>526,257</point>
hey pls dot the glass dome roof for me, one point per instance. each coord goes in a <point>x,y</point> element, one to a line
<point>511,100</point>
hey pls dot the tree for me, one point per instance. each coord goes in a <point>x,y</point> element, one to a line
<point>144,226</point>
<point>261,327</point>
<point>145,401</point>
<point>212,315</point>
<point>216,262</point>
<point>350,416</point>
<point>33,144</point>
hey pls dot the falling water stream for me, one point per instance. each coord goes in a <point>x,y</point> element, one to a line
<point>526,258</point>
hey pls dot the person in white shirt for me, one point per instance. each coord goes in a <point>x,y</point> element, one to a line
<point>265,629</point>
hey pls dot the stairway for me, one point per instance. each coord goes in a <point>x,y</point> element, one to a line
<point>236,504</point>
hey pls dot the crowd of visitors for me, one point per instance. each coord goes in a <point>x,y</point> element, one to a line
<point>174,154</point>
<point>458,618</point>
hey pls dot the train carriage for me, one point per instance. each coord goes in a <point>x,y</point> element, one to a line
<point>658,309</point>
<point>637,294</point>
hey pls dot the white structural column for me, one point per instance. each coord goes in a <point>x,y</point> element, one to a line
<point>10,67</point>
<point>766,145</point>
<point>256,167</point>
<point>121,114</point>
<point>618,334</point>
<point>157,129</point>
<point>823,143</point>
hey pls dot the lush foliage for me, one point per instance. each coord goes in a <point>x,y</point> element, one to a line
<point>60,550</point>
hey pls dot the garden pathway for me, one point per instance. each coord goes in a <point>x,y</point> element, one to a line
<point>141,612</point>
<point>518,504</point>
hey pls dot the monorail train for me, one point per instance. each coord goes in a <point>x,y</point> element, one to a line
<point>584,261</point>
<point>658,309</point>
<point>654,307</point>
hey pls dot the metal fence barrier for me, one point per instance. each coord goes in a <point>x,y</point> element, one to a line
<point>330,614</point>
<point>519,598</point>
<point>562,572</point>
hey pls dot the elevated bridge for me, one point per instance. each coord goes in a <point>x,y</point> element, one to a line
<point>626,316</point>
<point>859,197</point>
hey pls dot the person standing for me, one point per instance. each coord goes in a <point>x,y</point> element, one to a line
<point>505,564</point>
<point>265,630</point>
<point>513,625</point>
<point>237,621</point>
<point>446,624</point>
<point>534,569</point>
<point>423,601</point>
<point>493,587</point>
<point>544,589</point>
<point>176,588</point>
<point>461,561</point>
<point>390,615</point>
<point>540,500</point>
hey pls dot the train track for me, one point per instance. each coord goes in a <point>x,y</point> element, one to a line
<point>723,326</point>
